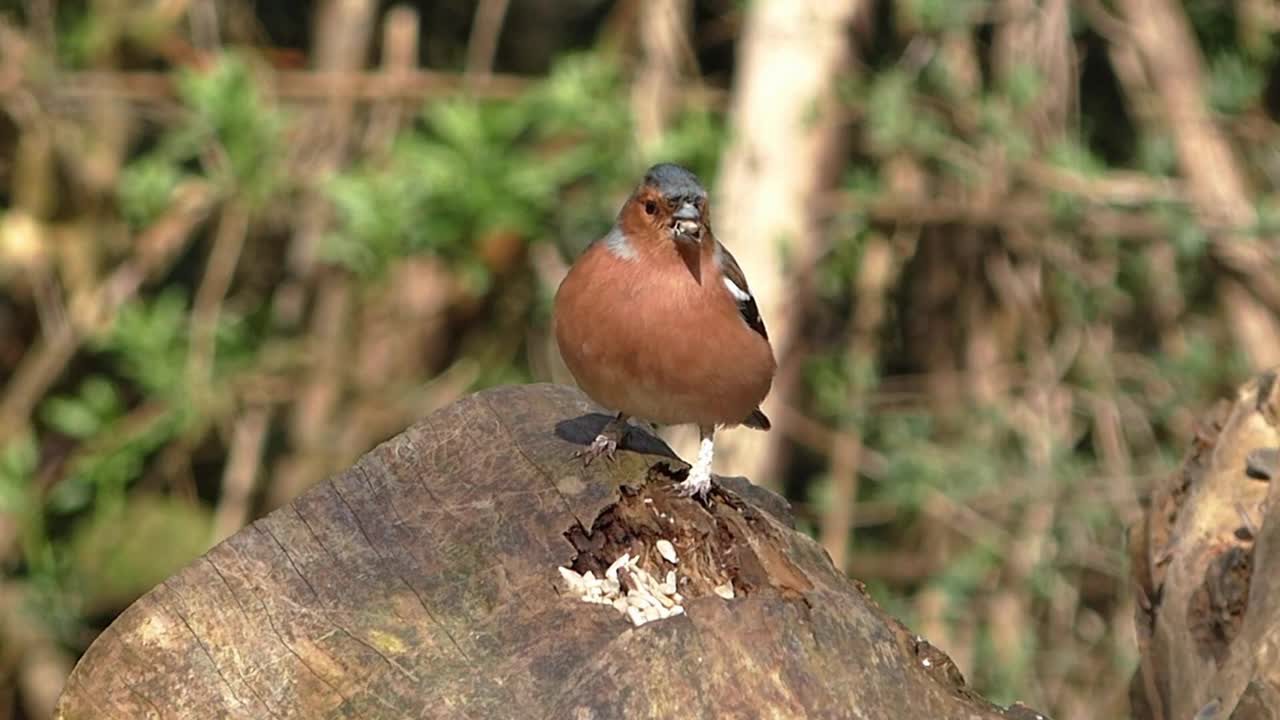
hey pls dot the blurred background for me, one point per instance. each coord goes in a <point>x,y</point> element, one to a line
<point>1007,251</point>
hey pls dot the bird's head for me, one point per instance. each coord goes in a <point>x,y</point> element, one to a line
<point>670,204</point>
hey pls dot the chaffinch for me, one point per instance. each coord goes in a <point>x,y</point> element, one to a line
<point>655,321</point>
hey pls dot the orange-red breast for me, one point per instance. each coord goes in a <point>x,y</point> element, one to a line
<point>655,320</point>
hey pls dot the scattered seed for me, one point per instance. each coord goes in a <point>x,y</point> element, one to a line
<point>725,590</point>
<point>667,551</point>
<point>612,572</point>
<point>637,618</point>
<point>629,589</point>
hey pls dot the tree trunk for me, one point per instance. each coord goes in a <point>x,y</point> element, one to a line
<point>425,582</point>
<point>782,133</point>
<point>1206,566</point>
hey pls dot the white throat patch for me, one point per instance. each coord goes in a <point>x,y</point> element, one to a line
<point>617,243</point>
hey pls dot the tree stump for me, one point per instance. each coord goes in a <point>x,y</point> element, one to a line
<point>1206,567</point>
<point>424,582</point>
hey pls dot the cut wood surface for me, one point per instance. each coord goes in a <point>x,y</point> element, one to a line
<point>424,582</point>
<point>1206,566</point>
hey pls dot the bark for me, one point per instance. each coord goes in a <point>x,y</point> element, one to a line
<point>1206,567</point>
<point>424,582</point>
<point>782,125</point>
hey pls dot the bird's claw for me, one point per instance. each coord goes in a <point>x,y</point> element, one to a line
<point>695,486</point>
<point>606,445</point>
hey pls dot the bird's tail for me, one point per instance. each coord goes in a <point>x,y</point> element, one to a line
<point>757,420</point>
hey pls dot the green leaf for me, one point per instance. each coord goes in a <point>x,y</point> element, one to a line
<point>146,188</point>
<point>70,416</point>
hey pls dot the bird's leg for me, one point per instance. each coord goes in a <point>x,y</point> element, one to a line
<point>606,443</point>
<point>699,481</point>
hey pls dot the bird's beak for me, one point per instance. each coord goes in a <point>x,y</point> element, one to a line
<point>688,222</point>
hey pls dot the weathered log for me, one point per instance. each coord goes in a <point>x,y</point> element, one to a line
<point>1206,569</point>
<point>424,582</point>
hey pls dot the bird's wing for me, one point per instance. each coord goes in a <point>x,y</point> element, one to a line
<point>736,283</point>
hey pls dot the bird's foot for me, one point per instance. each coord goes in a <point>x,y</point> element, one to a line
<point>602,445</point>
<point>606,443</point>
<point>698,484</point>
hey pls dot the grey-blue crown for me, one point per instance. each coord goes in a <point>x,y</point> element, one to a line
<point>674,181</point>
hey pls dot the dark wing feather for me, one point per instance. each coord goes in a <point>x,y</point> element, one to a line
<point>757,420</point>
<point>746,302</point>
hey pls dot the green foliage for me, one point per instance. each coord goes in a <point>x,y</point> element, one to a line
<point>476,167</point>
<point>229,132</point>
<point>118,554</point>
<point>895,122</point>
<point>940,15</point>
<point>1235,85</point>
<point>231,116</point>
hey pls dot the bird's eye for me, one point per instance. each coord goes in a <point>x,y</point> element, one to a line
<point>651,207</point>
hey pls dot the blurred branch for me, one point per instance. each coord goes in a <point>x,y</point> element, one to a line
<point>399,58</point>
<point>244,457</point>
<point>342,37</point>
<point>77,88</point>
<point>486,28</point>
<point>233,227</point>
<point>41,666</point>
<point>1215,183</point>
<point>156,248</point>
<point>783,153</point>
<point>663,28</point>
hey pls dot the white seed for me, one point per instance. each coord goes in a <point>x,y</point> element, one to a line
<point>669,587</point>
<point>637,618</point>
<point>612,572</point>
<point>620,604</point>
<point>653,613</point>
<point>645,582</point>
<point>589,577</point>
<point>725,591</point>
<point>668,551</point>
<point>571,577</point>
<point>677,610</point>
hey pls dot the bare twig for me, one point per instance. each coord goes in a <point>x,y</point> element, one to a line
<point>482,47</point>
<point>399,59</point>
<point>41,366</point>
<point>244,457</point>
<point>233,226</point>
<point>875,278</point>
<point>663,28</point>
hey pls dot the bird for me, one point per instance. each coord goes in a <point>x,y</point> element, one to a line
<point>655,321</point>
